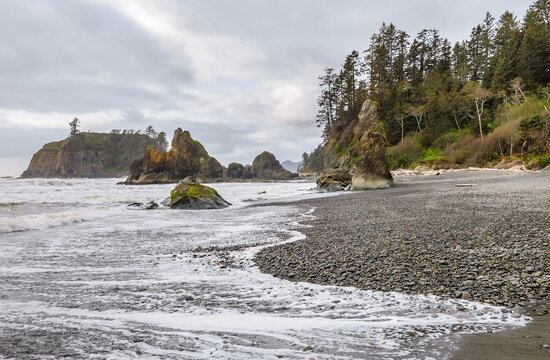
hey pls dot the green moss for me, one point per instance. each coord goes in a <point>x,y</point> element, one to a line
<point>191,191</point>
<point>199,144</point>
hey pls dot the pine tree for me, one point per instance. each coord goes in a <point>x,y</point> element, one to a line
<point>534,51</point>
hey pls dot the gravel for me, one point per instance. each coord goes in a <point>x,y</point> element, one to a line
<point>489,242</point>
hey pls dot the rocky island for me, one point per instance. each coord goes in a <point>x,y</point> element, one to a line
<point>89,155</point>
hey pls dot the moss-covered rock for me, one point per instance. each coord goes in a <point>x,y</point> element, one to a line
<point>194,196</point>
<point>186,158</point>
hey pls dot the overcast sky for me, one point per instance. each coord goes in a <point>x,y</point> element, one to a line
<point>241,75</point>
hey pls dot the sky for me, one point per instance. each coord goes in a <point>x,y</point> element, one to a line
<point>240,75</point>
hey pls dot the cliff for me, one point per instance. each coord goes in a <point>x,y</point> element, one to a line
<point>88,155</point>
<point>186,158</point>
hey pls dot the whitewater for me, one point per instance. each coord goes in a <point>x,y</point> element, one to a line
<point>83,275</point>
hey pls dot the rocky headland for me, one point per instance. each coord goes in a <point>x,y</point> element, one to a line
<point>488,241</point>
<point>88,155</point>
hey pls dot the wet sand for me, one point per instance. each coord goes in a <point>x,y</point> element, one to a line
<point>516,344</point>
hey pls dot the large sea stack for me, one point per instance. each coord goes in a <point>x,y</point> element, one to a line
<point>186,159</point>
<point>372,171</point>
<point>88,155</point>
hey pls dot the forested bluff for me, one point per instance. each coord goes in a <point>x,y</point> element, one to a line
<point>483,101</point>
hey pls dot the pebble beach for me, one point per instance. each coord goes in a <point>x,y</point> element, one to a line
<point>474,235</point>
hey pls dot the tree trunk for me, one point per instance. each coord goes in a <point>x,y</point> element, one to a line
<point>479,117</point>
<point>456,120</point>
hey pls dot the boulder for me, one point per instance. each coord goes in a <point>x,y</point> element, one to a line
<point>193,196</point>
<point>372,171</point>
<point>235,171</point>
<point>266,167</point>
<point>151,205</point>
<point>186,159</point>
<point>334,180</point>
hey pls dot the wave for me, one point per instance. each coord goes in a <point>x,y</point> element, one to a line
<point>48,220</point>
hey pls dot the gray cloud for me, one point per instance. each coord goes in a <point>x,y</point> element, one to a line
<point>240,75</point>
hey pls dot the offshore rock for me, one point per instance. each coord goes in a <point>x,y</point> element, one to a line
<point>235,171</point>
<point>266,167</point>
<point>195,197</point>
<point>372,171</point>
<point>88,155</point>
<point>186,158</point>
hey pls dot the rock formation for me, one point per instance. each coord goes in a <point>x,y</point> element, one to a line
<point>266,167</point>
<point>334,180</point>
<point>363,163</point>
<point>372,171</point>
<point>186,158</point>
<point>193,196</point>
<point>90,155</point>
<point>235,171</point>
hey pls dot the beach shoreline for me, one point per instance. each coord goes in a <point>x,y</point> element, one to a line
<point>486,242</point>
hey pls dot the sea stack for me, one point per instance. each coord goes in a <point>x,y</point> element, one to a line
<point>372,170</point>
<point>186,159</point>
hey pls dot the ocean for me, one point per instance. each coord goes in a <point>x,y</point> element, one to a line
<point>83,275</point>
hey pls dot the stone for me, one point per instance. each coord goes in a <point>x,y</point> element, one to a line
<point>334,180</point>
<point>149,206</point>
<point>372,170</point>
<point>235,171</point>
<point>195,197</point>
<point>266,167</point>
<point>187,159</point>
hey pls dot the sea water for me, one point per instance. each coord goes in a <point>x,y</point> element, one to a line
<point>84,275</point>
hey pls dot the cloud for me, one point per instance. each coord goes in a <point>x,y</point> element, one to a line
<point>240,75</point>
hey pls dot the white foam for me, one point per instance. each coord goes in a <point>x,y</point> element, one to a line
<point>136,271</point>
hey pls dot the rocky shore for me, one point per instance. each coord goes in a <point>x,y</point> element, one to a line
<point>487,239</point>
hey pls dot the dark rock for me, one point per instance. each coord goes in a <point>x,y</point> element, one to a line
<point>248,172</point>
<point>149,206</point>
<point>266,167</point>
<point>334,180</point>
<point>235,171</point>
